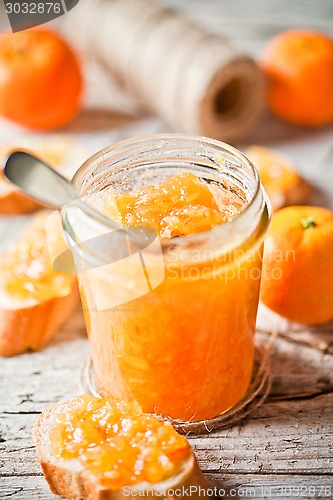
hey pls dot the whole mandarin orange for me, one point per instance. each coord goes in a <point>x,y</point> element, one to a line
<point>40,79</point>
<point>299,69</point>
<point>297,279</point>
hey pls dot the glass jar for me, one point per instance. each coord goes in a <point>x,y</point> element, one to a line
<point>172,327</point>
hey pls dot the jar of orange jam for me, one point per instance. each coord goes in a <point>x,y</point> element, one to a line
<point>171,326</point>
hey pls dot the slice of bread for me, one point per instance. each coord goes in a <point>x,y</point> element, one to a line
<point>27,319</point>
<point>29,325</point>
<point>69,478</point>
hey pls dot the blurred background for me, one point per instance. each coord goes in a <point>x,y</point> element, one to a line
<point>109,112</point>
<point>249,25</point>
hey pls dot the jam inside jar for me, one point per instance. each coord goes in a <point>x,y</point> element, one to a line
<point>172,326</point>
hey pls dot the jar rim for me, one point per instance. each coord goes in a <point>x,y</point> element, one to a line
<point>255,205</point>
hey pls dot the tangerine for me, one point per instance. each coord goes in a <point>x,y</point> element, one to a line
<point>297,280</point>
<point>299,69</point>
<point>41,80</point>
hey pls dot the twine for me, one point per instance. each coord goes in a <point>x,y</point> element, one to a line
<point>196,81</point>
<point>294,337</point>
<point>255,396</point>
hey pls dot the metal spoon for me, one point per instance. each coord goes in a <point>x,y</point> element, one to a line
<point>42,183</point>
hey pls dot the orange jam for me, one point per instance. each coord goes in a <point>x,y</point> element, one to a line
<point>180,206</point>
<point>26,268</point>
<point>185,349</point>
<point>117,443</point>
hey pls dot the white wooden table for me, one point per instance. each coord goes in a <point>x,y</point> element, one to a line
<point>285,448</point>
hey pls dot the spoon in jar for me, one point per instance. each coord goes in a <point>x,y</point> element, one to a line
<point>40,181</point>
<point>45,185</point>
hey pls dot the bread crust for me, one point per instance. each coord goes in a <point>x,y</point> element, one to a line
<point>30,328</point>
<point>69,479</point>
<point>16,203</point>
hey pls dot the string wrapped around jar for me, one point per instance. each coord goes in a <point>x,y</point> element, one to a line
<point>196,81</point>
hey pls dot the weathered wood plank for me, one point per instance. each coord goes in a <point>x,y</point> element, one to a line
<point>278,438</point>
<point>229,485</point>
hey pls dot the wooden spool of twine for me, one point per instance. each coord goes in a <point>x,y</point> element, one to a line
<point>194,80</point>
